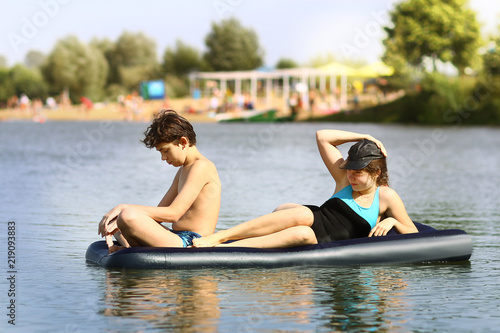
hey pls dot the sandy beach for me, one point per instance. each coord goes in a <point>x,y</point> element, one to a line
<point>193,110</point>
<point>107,111</point>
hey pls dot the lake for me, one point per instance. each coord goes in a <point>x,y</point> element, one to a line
<point>59,178</point>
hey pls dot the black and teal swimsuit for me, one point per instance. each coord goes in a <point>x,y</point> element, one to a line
<point>340,217</point>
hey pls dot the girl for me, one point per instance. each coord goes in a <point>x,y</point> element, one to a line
<point>362,205</point>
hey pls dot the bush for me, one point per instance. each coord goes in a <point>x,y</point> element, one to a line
<point>176,87</point>
<point>441,101</point>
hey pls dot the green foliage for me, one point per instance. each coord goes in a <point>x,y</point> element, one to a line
<point>483,105</point>
<point>131,59</point>
<point>6,86</point>
<point>21,80</point>
<point>440,101</point>
<point>284,63</point>
<point>176,86</point>
<point>34,59</point>
<point>28,81</point>
<point>442,30</point>
<point>230,46</point>
<point>78,67</point>
<point>491,58</point>
<point>182,60</point>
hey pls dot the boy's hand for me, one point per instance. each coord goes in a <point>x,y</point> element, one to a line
<point>109,241</point>
<point>108,226</point>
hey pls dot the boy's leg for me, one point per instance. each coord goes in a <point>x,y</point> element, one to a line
<point>294,236</point>
<point>141,230</point>
<point>261,226</point>
<point>119,237</point>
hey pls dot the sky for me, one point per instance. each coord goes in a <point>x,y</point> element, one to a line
<point>297,29</point>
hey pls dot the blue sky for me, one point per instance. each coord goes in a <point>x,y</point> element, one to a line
<point>297,29</point>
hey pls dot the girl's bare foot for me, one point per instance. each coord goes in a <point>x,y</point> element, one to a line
<point>208,241</point>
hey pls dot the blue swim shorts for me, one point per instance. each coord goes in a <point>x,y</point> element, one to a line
<point>186,236</point>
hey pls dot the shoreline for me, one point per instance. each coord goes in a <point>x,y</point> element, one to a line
<point>103,112</point>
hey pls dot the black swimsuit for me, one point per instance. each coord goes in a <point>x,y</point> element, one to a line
<point>335,221</point>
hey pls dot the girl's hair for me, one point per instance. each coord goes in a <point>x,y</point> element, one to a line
<point>373,169</point>
<point>168,127</point>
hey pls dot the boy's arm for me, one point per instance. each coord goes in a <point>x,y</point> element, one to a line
<point>199,175</point>
<point>171,193</point>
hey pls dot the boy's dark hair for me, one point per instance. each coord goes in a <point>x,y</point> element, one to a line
<point>168,127</point>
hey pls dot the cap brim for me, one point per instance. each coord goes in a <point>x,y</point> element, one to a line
<point>354,165</point>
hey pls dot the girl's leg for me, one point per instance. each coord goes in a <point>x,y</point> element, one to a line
<point>286,206</point>
<point>294,236</point>
<point>264,225</point>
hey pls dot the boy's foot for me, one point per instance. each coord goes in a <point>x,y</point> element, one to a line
<point>114,248</point>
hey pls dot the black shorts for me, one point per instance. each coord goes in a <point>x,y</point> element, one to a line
<point>335,221</point>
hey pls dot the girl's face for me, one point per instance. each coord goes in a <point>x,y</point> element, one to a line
<point>361,180</point>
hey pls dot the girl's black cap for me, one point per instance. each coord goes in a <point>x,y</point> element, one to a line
<point>361,154</point>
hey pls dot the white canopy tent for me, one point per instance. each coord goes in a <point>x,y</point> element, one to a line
<point>306,76</point>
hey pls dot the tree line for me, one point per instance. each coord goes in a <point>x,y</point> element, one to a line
<point>426,33</point>
<point>421,34</point>
<point>104,69</point>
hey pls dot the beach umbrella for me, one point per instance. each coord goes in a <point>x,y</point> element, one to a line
<point>375,69</point>
<point>338,69</point>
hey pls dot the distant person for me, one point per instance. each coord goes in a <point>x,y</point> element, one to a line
<point>86,103</point>
<point>293,102</point>
<point>248,105</point>
<point>51,103</point>
<point>363,205</point>
<point>24,102</point>
<point>190,206</point>
<point>214,102</point>
<point>312,100</point>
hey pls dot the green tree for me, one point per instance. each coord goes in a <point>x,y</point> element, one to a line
<point>181,60</point>
<point>6,87</point>
<point>28,81</point>
<point>132,60</point>
<point>34,59</point>
<point>444,30</point>
<point>491,58</point>
<point>230,46</point>
<point>286,63</point>
<point>79,67</point>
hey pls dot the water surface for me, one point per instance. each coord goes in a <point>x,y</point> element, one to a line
<point>58,179</point>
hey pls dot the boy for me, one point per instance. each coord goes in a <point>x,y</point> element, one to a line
<point>191,204</point>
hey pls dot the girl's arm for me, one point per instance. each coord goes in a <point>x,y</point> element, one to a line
<point>328,140</point>
<point>396,215</point>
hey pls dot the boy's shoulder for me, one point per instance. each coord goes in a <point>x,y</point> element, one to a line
<point>203,166</point>
<point>204,163</point>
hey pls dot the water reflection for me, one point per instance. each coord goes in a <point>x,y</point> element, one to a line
<point>364,299</point>
<point>317,300</point>
<point>193,300</point>
<point>165,299</point>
